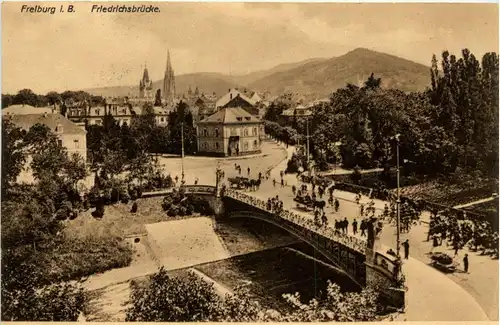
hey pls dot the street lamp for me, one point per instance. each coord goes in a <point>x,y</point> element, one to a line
<point>182,144</point>
<point>398,199</point>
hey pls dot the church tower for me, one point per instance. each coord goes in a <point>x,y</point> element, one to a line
<point>146,85</point>
<point>168,82</point>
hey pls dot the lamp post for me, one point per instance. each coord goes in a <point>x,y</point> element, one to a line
<point>182,150</point>
<point>398,199</point>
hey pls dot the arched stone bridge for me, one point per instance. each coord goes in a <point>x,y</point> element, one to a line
<point>361,263</point>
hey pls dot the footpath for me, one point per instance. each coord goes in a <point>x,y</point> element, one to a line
<point>431,295</point>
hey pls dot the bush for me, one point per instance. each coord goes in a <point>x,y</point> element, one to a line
<point>191,299</point>
<point>167,203</point>
<point>99,211</point>
<point>133,194</point>
<point>295,162</point>
<point>356,175</point>
<point>125,198</point>
<point>134,208</point>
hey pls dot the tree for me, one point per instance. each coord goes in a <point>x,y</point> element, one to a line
<point>26,97</point>
<point>372,82</point>
<point>75,169</point>
<point>13,153</point>
<point>169,299</point>
<point>158,98</point>
<point>48,155</point>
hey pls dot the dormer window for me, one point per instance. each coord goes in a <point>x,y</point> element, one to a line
<point>59,128</point>
<point>239,119</point>
<point>247,118</point>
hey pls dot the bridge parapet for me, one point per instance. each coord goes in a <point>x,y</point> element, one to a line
<point>351,242</point>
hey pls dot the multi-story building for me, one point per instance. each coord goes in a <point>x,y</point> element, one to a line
<point>120,108</point>
<point>71,136</point>
<point>231,131</point>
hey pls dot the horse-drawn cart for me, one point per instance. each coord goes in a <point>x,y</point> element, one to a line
<point>443,262</point>
<point>304,202</point>
<point>238,182</point>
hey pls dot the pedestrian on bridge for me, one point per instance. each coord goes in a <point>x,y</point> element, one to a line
<point>337,205</point>
<point>406,246</point>
<point>466,263</point>
<point>355,227</point>
<point>362,227</point>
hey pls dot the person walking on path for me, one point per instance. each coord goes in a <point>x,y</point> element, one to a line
<point>248,171</point>
<point>466,263</point>
<point>274,182</point>
<point>355,227</point>
<point>282,183</point>
<point>406,246</point>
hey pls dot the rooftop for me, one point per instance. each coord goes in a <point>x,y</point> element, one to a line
<point>22,109</point>
<point>26,121</point>
<point>231,115</point>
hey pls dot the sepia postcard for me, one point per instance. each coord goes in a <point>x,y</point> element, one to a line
<point>249,162</point>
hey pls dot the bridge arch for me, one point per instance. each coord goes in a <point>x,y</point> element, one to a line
<point>357,276</point>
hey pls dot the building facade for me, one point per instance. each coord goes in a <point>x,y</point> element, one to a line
<point>120,108</point>
<point>231,131</point>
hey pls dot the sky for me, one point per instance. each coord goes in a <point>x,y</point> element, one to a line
<point>72,51</point>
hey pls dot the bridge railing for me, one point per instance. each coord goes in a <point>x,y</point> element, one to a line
<point>352,242</point>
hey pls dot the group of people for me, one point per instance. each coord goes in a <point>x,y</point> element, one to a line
<point>444,228</point>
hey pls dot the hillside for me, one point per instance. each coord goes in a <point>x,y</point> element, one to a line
<point>324,76</point>
<point>257,75</point>
<point>314,78</point>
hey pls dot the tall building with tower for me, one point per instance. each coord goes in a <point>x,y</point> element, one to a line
<point>146,86</point>
<point>168,92</point>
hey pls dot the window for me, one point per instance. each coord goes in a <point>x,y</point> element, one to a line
<point>216,132</point>
<point>59,142</point>
<point>239,118</point>
<point>162,119</point>
<point>77,144</point>
<point>205,145</point>
<point>247,118</point>
<point>123,111</point>
<point>255,144</point>
<point>205,132</point>
<point>233,131</point>
<point>245,145</point>
<point>97,112</point>
<point>245,132</point>
<point>98,121</point>
<point>217,145</point>
<point>254,131</point>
